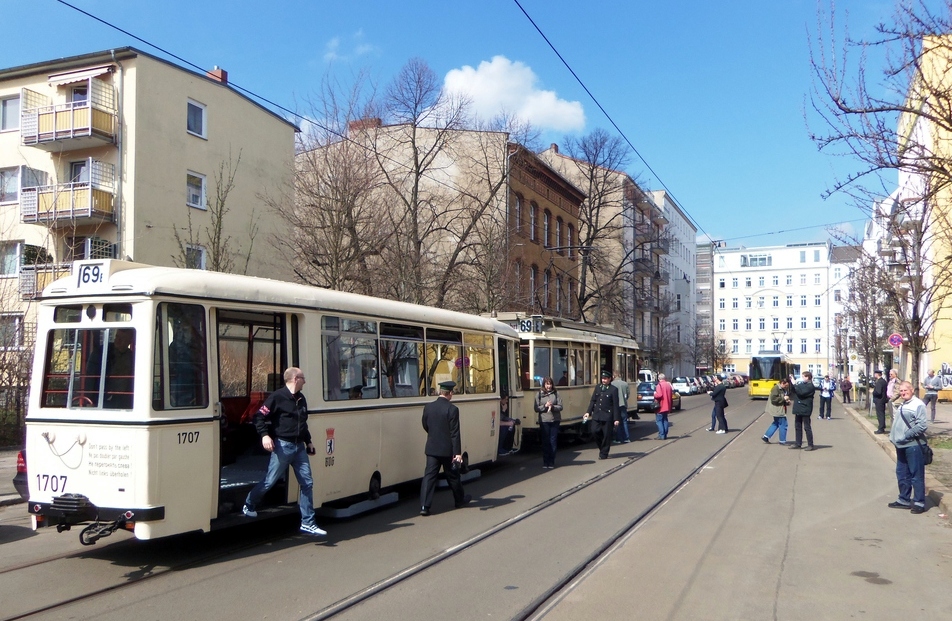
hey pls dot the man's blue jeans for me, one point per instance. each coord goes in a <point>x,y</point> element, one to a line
<point>779,422</point>
<point>826,405</point>
<point>286,453</point>
<point>661,419</point>
<point>621,432</point>
<point>911,475</point>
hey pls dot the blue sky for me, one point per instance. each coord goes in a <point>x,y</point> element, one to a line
<point>712,95</point>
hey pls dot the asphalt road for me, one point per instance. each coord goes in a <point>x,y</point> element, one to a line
<point>761,532</point>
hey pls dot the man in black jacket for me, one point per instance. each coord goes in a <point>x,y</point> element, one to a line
<point>803,392</point>
<point>282,424</point>
<point>603,409</point>
<point>879,400</point>
<point>443,448</point>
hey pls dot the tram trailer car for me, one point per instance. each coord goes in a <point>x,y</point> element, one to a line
<point>573,354</point>
<point>145,381</point>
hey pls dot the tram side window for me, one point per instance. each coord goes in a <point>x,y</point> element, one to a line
<point>401,361</point>
<point>350,358</point>
<point>540,364</point>
<point>525,380</point>
<point>443,359</point>
<point>632,367</point>
<point>180,363</point>
<point>74,374</point>
<point>560,366</point>
<point>479,364</point>
<point>578,370</point>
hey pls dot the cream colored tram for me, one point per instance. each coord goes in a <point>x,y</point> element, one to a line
<point>574,355</point>
<point>145,381</point>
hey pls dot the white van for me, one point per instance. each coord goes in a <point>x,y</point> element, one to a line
<point>646,375</point>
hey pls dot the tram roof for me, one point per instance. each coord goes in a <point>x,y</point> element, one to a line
<point>127,278</point>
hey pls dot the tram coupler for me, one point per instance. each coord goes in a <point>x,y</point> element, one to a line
<point>96,531</point>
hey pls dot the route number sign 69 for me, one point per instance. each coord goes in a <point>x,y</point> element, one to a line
<point>90,274</point>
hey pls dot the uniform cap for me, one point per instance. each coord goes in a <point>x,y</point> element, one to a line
<point>448,385</point>
<point>606,374</point>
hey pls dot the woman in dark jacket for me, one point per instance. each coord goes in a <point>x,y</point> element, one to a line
<point>803,409</point>
<point>548,405</point>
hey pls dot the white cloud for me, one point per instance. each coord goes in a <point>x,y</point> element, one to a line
<point>502,85</point>
<point>340,51</point>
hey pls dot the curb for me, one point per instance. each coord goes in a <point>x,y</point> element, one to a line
<point>937,493</point>
<point>12,499</point>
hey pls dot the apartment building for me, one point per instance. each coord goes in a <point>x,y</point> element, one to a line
<point>774,298</point>
<point>109,154</point>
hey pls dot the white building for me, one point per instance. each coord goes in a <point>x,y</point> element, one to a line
<point>680,264</point>
<point>774,298</point>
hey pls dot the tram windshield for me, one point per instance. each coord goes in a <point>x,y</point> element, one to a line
<point>766,367</point>
<point>90,368</point>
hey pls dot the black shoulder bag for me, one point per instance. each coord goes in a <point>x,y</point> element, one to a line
<point>923,446</point>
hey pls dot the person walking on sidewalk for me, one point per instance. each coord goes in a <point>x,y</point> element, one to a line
<point>879,400</point>
<point>664,394</point>
<point>777,407</point>
<point>548,405</point>
<point>892,387</point>
<point>803,409</point>
<point>603,410</point>
<point>827,389</point>
<point>719,397</point>
<point>932,385</point>
<point>847,387</point>
<point>908,430</point>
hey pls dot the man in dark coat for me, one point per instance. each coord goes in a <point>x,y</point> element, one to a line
<point>719,397</point>
<point>443,448</point>
<point>803,409</point>
<point>603,410</point>
<point>879,400</point>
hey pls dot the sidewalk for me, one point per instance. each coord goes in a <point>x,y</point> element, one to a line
<point>939,472</point>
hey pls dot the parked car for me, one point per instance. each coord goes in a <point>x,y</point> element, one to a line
<point>20,481</point>
<point>684,386</point>
<point>646,400</point>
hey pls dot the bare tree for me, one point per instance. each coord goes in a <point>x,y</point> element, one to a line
<point>868,312</point>
<point>886,122</point>
<point>222,252</point>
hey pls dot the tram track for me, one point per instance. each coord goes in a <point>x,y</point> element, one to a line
<point>564,585</point>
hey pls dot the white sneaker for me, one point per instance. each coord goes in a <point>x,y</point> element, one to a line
<point>249,512</point>
<point>312,529</point>
<point>720,431</point>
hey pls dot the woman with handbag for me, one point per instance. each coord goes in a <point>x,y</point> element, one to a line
<point>548,405</point>
<point>909,425</point>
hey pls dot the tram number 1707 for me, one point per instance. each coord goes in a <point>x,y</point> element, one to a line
<point>188,437</point>
<point>51,483</point>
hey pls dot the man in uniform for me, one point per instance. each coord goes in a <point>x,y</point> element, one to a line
<point>879,400</point>
<point>603,410</point>
<point>443,448</point>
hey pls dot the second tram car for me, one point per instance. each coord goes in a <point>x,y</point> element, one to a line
<point>573,355</point>
<point>145,381</point>
<point>766,369</point>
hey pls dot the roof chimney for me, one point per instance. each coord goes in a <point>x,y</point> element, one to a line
<point>554,147</point>
<point>218,74</point>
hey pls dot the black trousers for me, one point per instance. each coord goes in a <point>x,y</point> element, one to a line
<point>802,423</point>
<point>881,414</point>
<point>427,487</point>
<point>604,431</point>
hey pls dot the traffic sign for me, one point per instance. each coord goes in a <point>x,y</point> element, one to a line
<point>895,339</point>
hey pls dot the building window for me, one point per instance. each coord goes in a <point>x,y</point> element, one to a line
<point>735,324</point>
<point>9,185</point>
<point>79,171</point>
<point>776,323</point>
<point>803,279</point>
<point>195,124</point>
<point>836,295</point>
<point>803,346</point>
<point>789,346</point>
<point>720,283</point>
<point>748,324</point>
<point>570,240</point>
<point>559,295</point>
<point>776,344</point>
<point>789,300</point>
<point>816,256</point>
<point>776,281</point>
<point>817,345</point>
<point>677,302</point>
<point>816,324</point>
<point>517,214</point>
<point>547,228</point>
<point>761,344</point>
<point>748,344</point>
<point>11,331</point>
<point>558,236</point>
<point>10,113</point>
<point>722,325</point>
<point>546,290</point>
<point>803,256</point>
<point>803,323</point>
<point>816,279</point>
<point>789,323</point>
<point>721,303</point>
<point>760,281</point>
<point>747,302</point>
<point>803,300</point>
<point>734,303</point>
<point>533,222</point>
<point>533,278</point>
<point>760,302</point>
<point>789,279</point>
<point>734,283</point>
<point>776,301</point>
<point>837,273</point>
<point>734,346</point>
<point>195,190</point>
<point>747,282</point>
<point>517,284</point>
<point>761,323</point>
<point>194,257</point>
<point>817,300</point>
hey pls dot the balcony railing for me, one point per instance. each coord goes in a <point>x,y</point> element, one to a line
<point>662,245</point>
<point>76,203</point>
<point>35,278</point>
<point>71,125</point>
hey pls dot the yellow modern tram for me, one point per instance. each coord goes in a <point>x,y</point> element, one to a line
<point>573,354</point>
<point>766,369</point>
<point>145,380</point>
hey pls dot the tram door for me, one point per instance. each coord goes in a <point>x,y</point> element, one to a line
<point>508,385</point>
<point>253,351</point>
<point>606,359</point>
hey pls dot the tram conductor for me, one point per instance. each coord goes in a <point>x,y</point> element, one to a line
<point>443,448</point>
<point>604,412</point>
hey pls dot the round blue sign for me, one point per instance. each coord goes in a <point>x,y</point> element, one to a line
<point>895,339</point>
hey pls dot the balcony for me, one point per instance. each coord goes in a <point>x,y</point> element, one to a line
<point>662,276</point>
<point>72,204</point>
<point>35,278</point>
<point>78,124</point>
<point>644,264</point>
<point>662,245</point>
